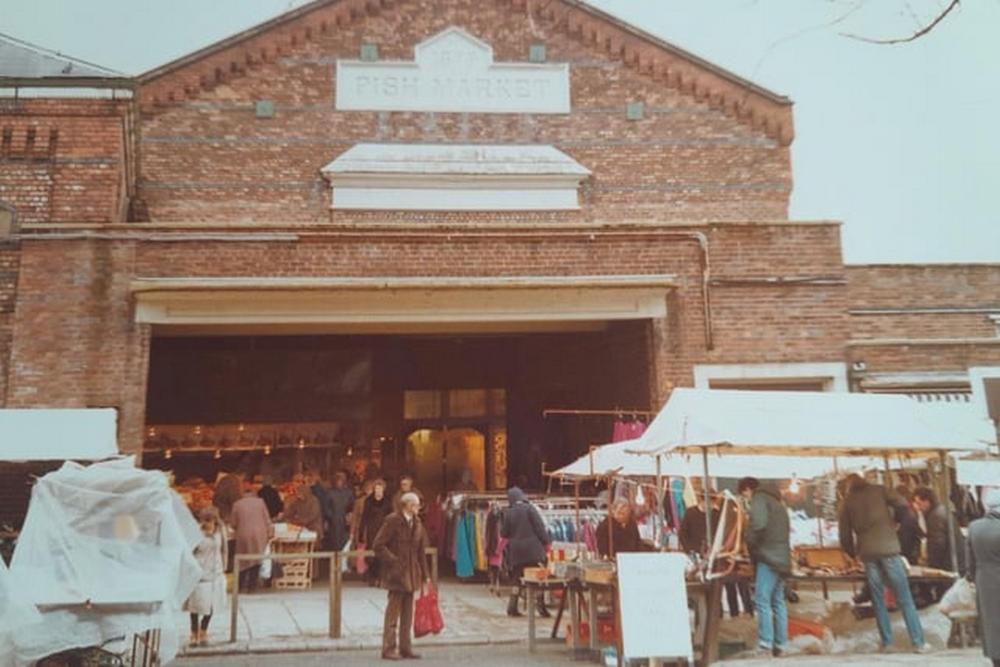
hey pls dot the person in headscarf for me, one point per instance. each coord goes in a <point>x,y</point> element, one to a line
<point>527,544</point>
<point>983,561</point>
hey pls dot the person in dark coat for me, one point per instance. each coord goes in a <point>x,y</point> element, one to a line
<point>323,498</point>
<point>400,546</point>
<point>341,502</point>
<point>936,517</point>
<point>621,530</point>
<point>376,508</point>
<point>271,498</point>
<point>527,542</point>
<point>868,532</point>
<point>768,540</point>
<point>984,570</point>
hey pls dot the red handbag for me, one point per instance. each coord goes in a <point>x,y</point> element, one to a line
<point>427,617</point>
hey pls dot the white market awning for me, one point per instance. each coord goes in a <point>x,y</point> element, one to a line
<point>615,459</point>
<point>812,423</point>
<point>58,434</point>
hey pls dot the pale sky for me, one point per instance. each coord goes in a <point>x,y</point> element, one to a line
<point>901,143</point>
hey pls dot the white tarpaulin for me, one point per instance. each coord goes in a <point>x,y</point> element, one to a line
<point>978,471</point>
<point>16,613</point>
<point>615,459</point>
<point>109,551</point>
<point>58,435</point>
<point>812,423</point>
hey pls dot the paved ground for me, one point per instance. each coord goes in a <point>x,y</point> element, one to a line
<point>297,621</point>
<point>515,654</point>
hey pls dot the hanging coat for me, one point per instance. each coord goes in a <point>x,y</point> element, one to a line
<point>209,596</point>
<point>465,558</point>
<point>984,569</point>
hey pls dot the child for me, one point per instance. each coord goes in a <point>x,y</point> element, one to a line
<point>209,596</point>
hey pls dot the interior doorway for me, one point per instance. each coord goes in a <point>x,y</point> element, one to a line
<point>440,457</point>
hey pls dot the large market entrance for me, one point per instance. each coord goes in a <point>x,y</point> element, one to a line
<point>436,406</point>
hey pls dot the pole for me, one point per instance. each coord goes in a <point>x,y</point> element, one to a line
<point>659,500</point>
<point>576,504</point>
<point>234,608</point>
<point>947,505</point>
<point>335,595</point>
<point>708,503</point>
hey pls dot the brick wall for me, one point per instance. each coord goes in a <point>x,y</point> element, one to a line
<point>64,160</point>
<point>902,306</point>
<point>9,262</point>
<point>692,158</point>
<point>74,342</point>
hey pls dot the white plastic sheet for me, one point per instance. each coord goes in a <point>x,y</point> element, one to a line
<point>16,613</point>
<point>109,551</point>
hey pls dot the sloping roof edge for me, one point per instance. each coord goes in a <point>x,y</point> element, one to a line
<point>299,12</point>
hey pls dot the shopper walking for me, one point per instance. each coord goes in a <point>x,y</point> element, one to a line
<point>209,596</point>
<point>984,571</point>
<point>376,508</point>
<point>527,543</point>
<point>768,541</point>
<point>867,532</point>
<point>253,529</point>
<point>400,546</point>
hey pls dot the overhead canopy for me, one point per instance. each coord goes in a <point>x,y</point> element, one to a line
<point>58,435</point>
<point>615,459</point>
<point>812,423</point>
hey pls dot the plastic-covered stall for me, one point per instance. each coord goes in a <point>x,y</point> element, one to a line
<point>108,548</point>
<point>16,613</point>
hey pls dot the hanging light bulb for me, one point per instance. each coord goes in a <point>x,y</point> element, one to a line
<point>302,443</point>
<point>350,452</point>
<point>169,454</point>
<point>267,450</point>
<point>218,454</point>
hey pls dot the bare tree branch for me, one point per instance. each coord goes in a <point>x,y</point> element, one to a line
<point>917,35</point>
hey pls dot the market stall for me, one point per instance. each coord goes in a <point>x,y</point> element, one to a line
<point>109,551</point>
<point>811,424</point>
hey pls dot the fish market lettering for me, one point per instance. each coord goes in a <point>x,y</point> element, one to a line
<point>453,71</point>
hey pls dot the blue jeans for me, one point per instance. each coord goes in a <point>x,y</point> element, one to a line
<point>891,570</point>
<point>772,613</point>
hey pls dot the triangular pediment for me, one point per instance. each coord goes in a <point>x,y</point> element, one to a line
<point>650,56</point>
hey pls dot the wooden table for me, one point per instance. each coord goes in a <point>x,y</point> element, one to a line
<point>706,595</point>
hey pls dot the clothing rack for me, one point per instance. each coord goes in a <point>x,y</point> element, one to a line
<point>548,412</point>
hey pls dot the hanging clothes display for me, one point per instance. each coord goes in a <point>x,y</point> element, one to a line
<point>465,545</point>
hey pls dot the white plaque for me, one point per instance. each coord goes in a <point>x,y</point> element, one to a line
<point>654,611</point>
<point>453,72</point>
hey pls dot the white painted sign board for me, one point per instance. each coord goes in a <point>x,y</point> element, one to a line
<point>453,72</point>
<point>978,472</point>
<point>654,609</point>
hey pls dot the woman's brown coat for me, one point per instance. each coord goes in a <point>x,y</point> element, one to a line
<point>401,551</point>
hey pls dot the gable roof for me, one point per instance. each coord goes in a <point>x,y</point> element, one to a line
<point>25,64</point>
<point>678,68</point>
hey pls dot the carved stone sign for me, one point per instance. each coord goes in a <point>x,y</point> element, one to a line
<point>453,71</point>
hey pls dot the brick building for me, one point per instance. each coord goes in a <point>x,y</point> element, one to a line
<point>403,229</point>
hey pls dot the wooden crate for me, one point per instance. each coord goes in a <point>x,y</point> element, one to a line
<point>296,574</point>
